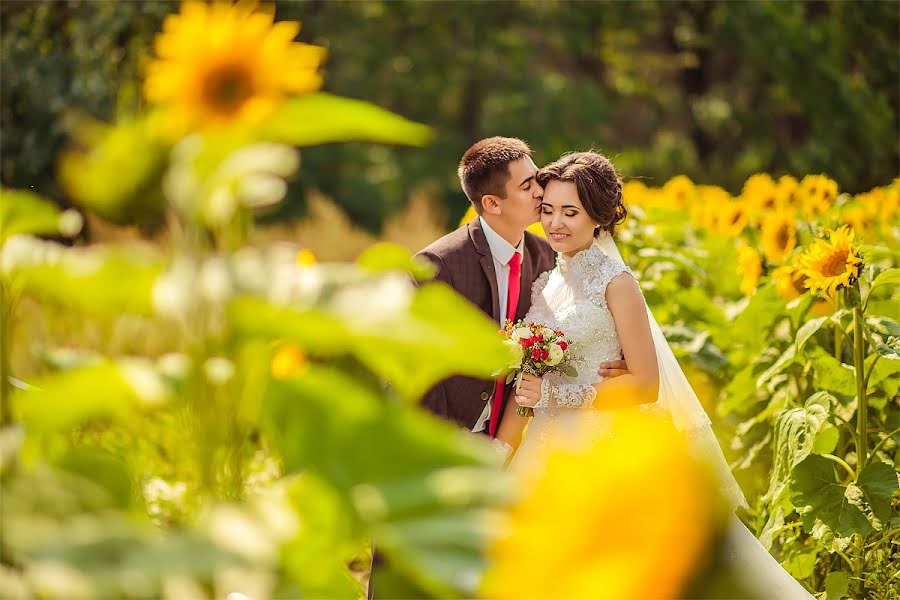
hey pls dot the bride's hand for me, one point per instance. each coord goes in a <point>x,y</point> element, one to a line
<point>529,391</point>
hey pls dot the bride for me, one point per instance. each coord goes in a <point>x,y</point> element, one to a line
<point>592,297</point>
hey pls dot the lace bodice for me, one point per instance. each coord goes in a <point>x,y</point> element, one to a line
<point>572,297</point>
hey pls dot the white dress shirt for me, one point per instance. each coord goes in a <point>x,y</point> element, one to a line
<point>501,252</point>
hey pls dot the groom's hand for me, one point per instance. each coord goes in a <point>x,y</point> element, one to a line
<point>612,368</point>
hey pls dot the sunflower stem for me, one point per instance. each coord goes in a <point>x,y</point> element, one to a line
<point>6,310</point>
<point>862,406</point>
<point>838,332</point>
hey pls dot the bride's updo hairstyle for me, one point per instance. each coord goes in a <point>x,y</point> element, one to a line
<point>599,186</point>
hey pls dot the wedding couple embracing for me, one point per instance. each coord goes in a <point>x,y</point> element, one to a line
<point>574,281</point>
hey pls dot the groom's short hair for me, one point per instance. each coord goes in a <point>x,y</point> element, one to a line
<point>484,168</point>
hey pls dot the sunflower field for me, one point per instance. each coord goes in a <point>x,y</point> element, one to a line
<point>783,302</point>
<point>198,410</point>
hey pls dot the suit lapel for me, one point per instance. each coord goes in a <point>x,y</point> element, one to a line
<point>476,234</point>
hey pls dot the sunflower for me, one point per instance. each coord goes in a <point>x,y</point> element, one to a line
<point>881,203</point>
<point>779,236</point>
<point>750,268</point>
<point>680,190</point>
<point>787,191</point>
<point>790,282</point>
<point>861,218</point>
<point>635,193</point>
<point>817,192</point>
<point>732,218</point>
<point>760,192</point>
<point>706,209</point>
<point>833,264</point>
<point>288,361</point>
<point>610,537</point>
<point>222,63</point>
<point>306,257</point>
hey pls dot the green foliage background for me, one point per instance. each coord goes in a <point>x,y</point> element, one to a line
<point>714,90</point>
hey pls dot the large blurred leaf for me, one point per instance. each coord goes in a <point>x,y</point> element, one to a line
<point>22,211</point>
<point>321,118</point>
<point>316,560</point>
<point>101,391</point>
<point>415,481</point>
<point>385,256</point>
<point>67,523</point>
<point>117,173</point>
<point>321,334</point>
<point>821,499</point>
<point>104,469</point>
<point>412,347</point>
<point>445,336</point>
<point>328,421</point>
<point>101,281</point>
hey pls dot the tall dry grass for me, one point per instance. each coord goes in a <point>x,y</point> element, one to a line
<point>332,236</point>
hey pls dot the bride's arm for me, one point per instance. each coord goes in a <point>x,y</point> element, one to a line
<point>511,424</point>
<point>626,303</point>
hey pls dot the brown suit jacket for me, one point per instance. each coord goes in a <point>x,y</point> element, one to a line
<point>464,261</point>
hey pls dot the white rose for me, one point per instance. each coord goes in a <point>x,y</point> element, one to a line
<point>521,333</point>
<point>556,355</point>
<point>516,353</point>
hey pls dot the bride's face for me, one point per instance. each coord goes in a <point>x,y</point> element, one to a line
<point>568,226</point>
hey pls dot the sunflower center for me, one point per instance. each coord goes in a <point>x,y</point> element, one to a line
<point>783,236</point>
<point>799,282</point>
<point>227,88</point>
<point>834,264</point>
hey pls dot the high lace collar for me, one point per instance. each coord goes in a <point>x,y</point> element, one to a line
<point>590,255</point>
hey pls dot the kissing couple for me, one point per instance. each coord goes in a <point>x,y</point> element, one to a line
<point>574,281</point>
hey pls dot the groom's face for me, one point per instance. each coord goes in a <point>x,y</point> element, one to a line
<point>521,206</point>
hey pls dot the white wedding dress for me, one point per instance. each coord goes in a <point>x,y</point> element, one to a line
<point>572,298</point>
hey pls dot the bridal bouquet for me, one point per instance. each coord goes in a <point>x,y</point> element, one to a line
<point>537,350</point>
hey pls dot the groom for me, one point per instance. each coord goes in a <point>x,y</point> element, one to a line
<point>493,262</point>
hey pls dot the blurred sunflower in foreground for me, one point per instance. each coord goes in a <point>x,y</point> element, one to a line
<point>832,264</point>
<point>221,63</point>
<point>591,524</point>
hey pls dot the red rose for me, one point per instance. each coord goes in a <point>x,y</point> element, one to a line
<point>526,342</point>
<point>563,345</point>
<point>540,337</point>
<point>544,354</point>
<point>536,354</point>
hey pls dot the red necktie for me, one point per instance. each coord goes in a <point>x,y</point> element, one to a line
<point>512,302</point>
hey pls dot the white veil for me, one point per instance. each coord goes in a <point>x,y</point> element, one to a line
<point>677,398</point>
